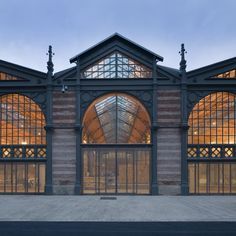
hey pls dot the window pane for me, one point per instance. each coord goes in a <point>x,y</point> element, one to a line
<point>117,65</point>
<point>116,118</point>
<point>117,170</point>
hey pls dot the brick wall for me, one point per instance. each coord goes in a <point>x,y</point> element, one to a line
<point>169,142</point>
<point>64,143</point>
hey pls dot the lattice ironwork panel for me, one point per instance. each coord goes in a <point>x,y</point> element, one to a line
<point>228,151</point>
<point>6,152</point>
<point>204,152</point>
<point>211,151</point>
<point>41,153</point>
<point>30,153</point>
<point>18,152</point>
<point>216,152</point>
<point>192,152</point>
<point>21,152</point>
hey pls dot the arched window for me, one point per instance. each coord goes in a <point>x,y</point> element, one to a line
<point>211,144</point>
<point>22,145</point>
<point>116,146</point>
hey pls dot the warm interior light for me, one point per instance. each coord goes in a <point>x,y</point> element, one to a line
<point>23,142</point>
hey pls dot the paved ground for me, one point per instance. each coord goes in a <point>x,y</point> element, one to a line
<point>123,209</point>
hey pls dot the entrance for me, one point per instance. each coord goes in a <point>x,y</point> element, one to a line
<point>109,171</point>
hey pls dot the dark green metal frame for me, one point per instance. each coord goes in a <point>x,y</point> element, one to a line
<point>193,85</point>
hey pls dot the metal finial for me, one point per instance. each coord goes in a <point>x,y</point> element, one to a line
<point>50,63</point>
<point>183,61</point>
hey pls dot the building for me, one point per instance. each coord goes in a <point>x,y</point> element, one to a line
<point>118,122</point>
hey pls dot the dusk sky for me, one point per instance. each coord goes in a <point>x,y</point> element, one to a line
<point>207,27</point>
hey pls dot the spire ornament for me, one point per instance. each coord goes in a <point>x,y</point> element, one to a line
<point>183,61</point>
<point>50,65</point>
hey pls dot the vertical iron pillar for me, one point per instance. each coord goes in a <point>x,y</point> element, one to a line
<point>48,127</point>
<point>78,134</point>
<point>154,185</point>
<point>184,124</point>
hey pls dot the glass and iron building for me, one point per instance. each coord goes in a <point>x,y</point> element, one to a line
<point>118,122</point>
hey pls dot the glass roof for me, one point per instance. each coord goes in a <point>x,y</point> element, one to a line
<point>116,118</point>
<point>117,65</point>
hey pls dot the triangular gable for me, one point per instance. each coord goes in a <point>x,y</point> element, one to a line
<point>112,43</point>
<point>226,75</point>
<point>12,73</point>
<point>116,65</point>
<point>8,77</point>
<point>213,71</point>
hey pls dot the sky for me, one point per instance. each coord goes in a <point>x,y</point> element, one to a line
<point>206,27</point>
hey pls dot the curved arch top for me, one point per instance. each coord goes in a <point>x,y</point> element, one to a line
<point>22,121</point>
<point>212,120</point>
<point>116,118</point>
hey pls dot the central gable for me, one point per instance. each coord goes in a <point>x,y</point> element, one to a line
<point>119,43</point>
<point>116,65</point>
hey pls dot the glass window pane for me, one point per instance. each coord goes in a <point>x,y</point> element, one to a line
<point>117,65</point>
<point>116,118</point>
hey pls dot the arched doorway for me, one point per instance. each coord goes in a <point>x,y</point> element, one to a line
<point>22,145</point>
<point>116,151</point>
<point>211,145</point>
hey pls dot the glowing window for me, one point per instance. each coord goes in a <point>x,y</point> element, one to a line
<point>116,118</point>
<point>227,75</point>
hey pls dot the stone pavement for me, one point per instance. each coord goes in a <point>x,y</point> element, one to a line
<point>124,208</point>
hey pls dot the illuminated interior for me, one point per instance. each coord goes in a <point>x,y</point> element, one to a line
<point>117,65</point>
<point>227,75</point>
<point>22,145</point>
<point>211,144</point>
<point>4,76</point>
<point>116,119</point>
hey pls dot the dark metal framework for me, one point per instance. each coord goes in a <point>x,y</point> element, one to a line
<point>194,85</point>
<point>116,118</point>
<point>22,145</point>
<point>117,65</point>
<point>211,140</point>
<point>114,123</point>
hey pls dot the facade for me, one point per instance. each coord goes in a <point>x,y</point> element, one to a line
<point>118,123</point>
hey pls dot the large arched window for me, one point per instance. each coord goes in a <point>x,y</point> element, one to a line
<point>116,146</point>
<point>211,144</point>
<point>22,145</point>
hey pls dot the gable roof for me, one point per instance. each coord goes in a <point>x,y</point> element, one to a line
<point>213,69</point>
<point>111,38</point>
<point>20,71</point>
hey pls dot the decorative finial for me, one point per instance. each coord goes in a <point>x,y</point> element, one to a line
<point>50,63</point>
<point>183,61</point>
